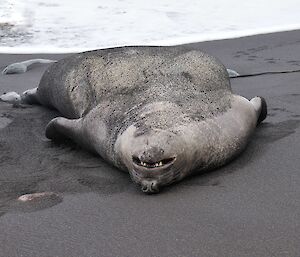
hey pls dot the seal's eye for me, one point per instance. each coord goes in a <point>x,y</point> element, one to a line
<point>148,164</point>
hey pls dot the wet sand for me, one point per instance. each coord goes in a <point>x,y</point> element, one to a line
<point>250,207</point>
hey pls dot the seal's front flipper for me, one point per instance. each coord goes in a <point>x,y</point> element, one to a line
<point>61,128</point>
<point>21,67</point>
<point>232,73</point>
<point>260,106</point>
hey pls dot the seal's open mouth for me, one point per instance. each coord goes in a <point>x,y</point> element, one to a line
<point>151,165</point>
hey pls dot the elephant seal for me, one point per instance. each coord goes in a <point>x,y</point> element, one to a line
<point>160,113</point>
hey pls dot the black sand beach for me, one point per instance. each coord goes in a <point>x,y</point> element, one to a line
<point>250,207</point>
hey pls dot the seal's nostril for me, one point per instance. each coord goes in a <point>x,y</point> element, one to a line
<point>154,187</point>
<point>150,187</point>
<point>145,189</point>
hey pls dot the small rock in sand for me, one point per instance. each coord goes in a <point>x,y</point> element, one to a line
<point>37,196</point>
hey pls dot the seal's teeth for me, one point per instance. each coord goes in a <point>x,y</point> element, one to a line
<point>152,165</point>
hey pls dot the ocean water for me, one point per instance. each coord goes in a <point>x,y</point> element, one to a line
<point>53,26</point>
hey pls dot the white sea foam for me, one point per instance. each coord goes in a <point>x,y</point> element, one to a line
<point>56,26</point>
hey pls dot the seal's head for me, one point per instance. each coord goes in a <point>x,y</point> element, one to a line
<point>153,152</point>
<point>154,159</point>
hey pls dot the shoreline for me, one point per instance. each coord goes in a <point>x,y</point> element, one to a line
<point>163,42</point>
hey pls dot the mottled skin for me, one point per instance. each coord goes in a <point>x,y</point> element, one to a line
<point>160,113</point>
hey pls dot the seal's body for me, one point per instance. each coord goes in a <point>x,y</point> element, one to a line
<point>158,112</point>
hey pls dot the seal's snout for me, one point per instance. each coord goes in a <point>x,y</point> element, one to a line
<point>150,186</point>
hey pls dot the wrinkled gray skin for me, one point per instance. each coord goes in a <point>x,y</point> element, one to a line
<point>160,113</point>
